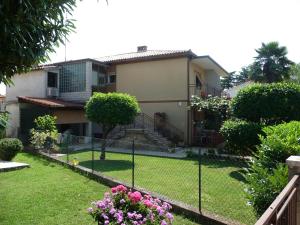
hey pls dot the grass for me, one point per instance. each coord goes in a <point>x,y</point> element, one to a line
<point>222,181</point>
<point>48,193</point>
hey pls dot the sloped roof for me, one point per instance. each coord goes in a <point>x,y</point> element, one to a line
<point>145,55</point>
<point>50,103</point>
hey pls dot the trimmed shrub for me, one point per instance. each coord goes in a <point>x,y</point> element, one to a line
<point>268,173</point>
<point>9,148</point>
<point>270,103</point>
<point>45,123</point>
<point>241,136</point>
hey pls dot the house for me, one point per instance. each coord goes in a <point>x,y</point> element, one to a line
<point>232,92</point>
<point>163,82</point>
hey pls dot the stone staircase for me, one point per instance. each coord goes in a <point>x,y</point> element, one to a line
<point>145,135</point>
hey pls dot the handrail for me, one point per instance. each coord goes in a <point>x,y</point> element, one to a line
<point>280,204</point>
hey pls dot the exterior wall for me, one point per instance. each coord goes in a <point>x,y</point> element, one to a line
<point>31,84</point>
<point>154,80</point>
<point>176,113</point>
<point>81,96</point>
<point>213,80</point>
<point>70,116</point>
<point>159,86</point>
<point>14,120</point>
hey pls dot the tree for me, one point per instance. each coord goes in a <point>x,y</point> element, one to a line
<point>243,75</point>
<point>295,73</point>
<point>30,30</point>
<point>227,82</point>
<point>271,64</point>
<point>45,133</point>
<point>110,110</point>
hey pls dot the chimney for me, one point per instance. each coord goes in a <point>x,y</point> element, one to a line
<point>142,48</point>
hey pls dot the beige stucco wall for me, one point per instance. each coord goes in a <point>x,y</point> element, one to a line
<point>176,113</point>
<point>154,80</point>
<point>70,116</point>
<point>159,86</point>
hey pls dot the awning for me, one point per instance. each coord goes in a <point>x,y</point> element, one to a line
<point>207,63</point>
<point>50,103</point>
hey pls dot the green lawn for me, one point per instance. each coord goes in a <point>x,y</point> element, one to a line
<point>48,193</point>
<point>222,180</point>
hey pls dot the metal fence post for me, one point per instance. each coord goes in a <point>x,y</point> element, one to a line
<point>132,179</point>
<point>93,156</point>
<point>199,171</point>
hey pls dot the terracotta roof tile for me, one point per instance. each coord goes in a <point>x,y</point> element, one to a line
<point>144,55</point>
<point>50,103</point>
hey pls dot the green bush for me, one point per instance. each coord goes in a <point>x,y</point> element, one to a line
<point>216,110</point>
<point>280,142</point>
<point>264,186</point>
<point>45,123</point>
<point>241,136</point>
<point>270,103</point>
<point>268,174</point>
<point>9,148</point>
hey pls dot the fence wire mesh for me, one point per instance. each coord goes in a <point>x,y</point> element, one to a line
<point>200,179</point>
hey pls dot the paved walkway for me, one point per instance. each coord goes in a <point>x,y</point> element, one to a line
<point>179,152</point>
<point>5,165</point>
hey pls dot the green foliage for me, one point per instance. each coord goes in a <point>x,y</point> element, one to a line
<point>45,123</point>
<point>45,134</point>
<point>227,82</point>
<point>294,73</point>
<point>269,103</point>
<point>264,186</point>
<point>280,142</point>
<point>30,30</point>
<point>268,174</point>
<point>271,64</point>
<point>3,124</point>
<point>216,109</point>
<point>9,148</point>
<point>110,110</point>
<point>241,137</point>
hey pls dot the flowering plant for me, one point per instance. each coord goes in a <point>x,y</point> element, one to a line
<point>123,207</point>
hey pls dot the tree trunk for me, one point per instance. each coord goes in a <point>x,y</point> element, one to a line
<point>106,130</point>
<point>103,146</point>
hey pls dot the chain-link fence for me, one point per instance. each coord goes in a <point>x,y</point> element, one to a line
<point>199,178</point>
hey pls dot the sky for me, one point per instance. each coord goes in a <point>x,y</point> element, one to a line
<point>229,31</point>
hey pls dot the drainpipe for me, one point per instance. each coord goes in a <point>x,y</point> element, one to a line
<point>188,100</point>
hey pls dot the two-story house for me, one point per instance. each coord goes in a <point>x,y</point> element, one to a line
<point>163,82</point>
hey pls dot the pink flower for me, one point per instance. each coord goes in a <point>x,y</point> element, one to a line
<point>121,188</point>
<point>135,196</point>
<point>148,203</point>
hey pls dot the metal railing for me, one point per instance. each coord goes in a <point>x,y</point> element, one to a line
<point>283,211</point>
<point>204,91</point>
<point>166,129</point>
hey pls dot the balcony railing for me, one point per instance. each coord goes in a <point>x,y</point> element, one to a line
<point>283,211</point>
<point>105,88</point>
<point>204,90</point>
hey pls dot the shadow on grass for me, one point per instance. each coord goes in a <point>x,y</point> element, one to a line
<point>107,165</point>
<point>239,175</point>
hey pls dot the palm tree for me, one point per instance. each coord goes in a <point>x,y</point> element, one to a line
<point>271,64</point>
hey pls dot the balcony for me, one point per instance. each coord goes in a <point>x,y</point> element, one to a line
<point>105,88</point>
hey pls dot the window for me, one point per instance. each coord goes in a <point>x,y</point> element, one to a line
<point>112,78</point>
<point>52,79</point>
<point>198,83</point>
<point>72,77</point>
<point>99,75</point>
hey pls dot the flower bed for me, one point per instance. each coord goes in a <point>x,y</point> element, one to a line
<point>130,208</point>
